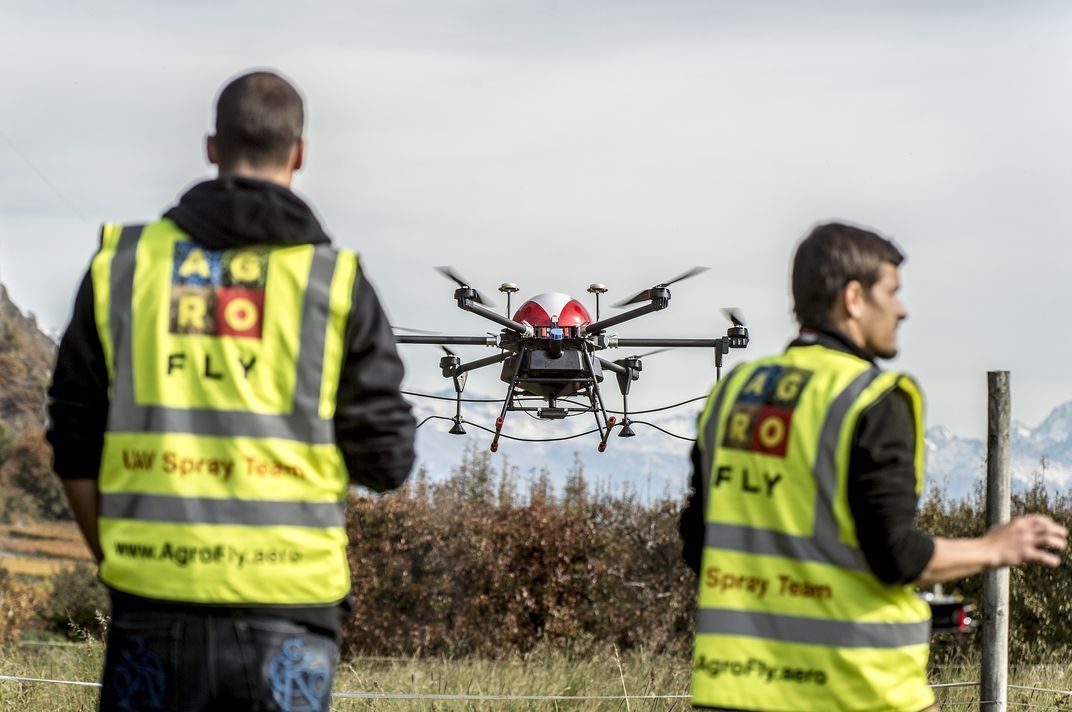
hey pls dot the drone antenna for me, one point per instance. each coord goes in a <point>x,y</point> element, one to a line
<point>508,288</point>
<point>597,289</point>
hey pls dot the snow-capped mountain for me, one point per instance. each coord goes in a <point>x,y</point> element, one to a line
<point>959,464</point>
<point>653,464</point>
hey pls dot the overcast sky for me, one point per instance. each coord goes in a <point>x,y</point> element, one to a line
<point>563,142</point>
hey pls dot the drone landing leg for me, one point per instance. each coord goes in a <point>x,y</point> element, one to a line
<point>457,429</point>
<point>509,401</point>
<point>625,380</point>
<point>721,348</point>
<point>451,366</point>
<point>603,423</point>
<point>627,425</point>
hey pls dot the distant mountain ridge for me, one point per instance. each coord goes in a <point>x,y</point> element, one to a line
<point>653,463</point>
<point>959,464</point>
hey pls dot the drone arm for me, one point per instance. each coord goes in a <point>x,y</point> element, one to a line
<point>611,366</point>
<point>481,363</point>
<point>668,343</point>
<point>597,326</point>
<point>469,305</point>
<point>445,340</point>
<point>660,299</point>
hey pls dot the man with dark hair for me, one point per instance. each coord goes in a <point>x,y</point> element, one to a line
<point>226,374</point>
<point>806,477</point>
<point>258,121</point>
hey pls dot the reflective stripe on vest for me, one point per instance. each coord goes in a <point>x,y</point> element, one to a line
<point>204,510</point>
<point>221,481</point>
<point>813,631</point>
<point>790,616</point>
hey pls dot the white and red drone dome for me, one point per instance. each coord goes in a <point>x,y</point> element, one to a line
<point>542,309</point>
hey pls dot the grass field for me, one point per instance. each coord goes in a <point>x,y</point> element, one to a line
<point>541,674</point>
<point>652,682</point>
<point>535,675</point>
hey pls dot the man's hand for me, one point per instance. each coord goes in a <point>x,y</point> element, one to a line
<point>1029,538</point>
<point>1034,537</point>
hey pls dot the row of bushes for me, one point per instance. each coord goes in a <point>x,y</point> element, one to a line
<point>73,604</point>
<point>478,565</point>
<point>468,566</point>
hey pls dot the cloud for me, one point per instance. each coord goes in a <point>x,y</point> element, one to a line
<point>555,144</point>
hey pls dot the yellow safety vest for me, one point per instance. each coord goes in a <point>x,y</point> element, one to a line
<point>790,616</point>
<point>220,479</point>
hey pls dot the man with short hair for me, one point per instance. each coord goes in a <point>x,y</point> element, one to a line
<point>226,374</point>
<point>806,477</point>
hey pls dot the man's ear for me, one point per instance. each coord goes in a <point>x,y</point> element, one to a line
<point>298,156</point>
<point>852,298</point>
<point>210,150</point>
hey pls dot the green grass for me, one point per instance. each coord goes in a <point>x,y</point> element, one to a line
<point>536,674</point>
<point>545,673</point>
<point>1055,675</point>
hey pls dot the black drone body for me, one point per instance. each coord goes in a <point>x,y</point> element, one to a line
<point>548,351</point>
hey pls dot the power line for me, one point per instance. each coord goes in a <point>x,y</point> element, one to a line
<point>434,417</point>
<point>500,400</point>
<point>448,398</point>
<point>665,407</point>
<point>662,430</point>
<point>552,440</point>
<point>534,440</point>
<point>44,179</point>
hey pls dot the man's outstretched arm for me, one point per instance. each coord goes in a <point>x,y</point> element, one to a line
<point>1034,537</point>
<point>883,501</point>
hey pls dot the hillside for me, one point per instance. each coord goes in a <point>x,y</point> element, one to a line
<point>26,355</point>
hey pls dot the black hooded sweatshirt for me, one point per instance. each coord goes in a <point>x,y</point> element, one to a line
<point>374,428</point>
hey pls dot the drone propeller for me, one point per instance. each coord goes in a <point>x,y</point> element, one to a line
<point>453,276</point>
<point>645,354</point>
<point>416,331</point>
<point>735,315</point>
<point>645,295</point>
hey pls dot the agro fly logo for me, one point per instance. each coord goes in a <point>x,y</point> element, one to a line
<point>763,412</point>
<point>218,292</point>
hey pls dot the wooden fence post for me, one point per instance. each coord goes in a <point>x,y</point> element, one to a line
<point>993,689</point>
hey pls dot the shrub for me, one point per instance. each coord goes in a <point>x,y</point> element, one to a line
<point>78,603</point>
<point>35,492</point>
<point>468,567</point>
<point>471,566</point>
<point>18,605</point>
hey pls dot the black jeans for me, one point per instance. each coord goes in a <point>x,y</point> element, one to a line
<point>179,662</point>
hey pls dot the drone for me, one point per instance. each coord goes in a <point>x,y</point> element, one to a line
<point>548,351</point>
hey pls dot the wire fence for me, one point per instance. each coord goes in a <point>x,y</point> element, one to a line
<point>429,697</point>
